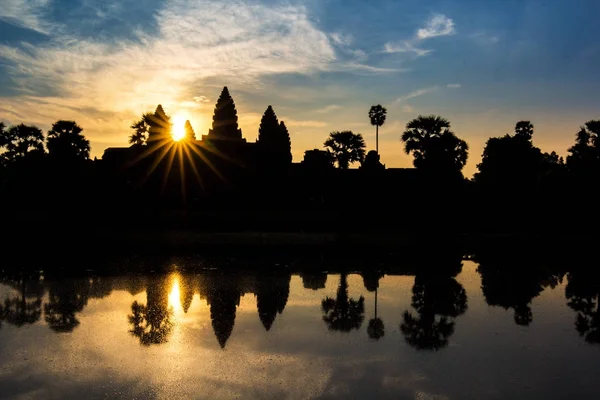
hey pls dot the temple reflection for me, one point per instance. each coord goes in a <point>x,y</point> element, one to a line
<point>437,298</point>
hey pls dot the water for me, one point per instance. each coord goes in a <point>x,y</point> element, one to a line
<point>484,333</point>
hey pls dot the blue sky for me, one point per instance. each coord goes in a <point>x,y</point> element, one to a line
<point>484,65</point>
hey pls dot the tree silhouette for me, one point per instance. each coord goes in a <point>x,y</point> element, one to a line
<point>583,293</point>
<point>377,116</point>
<point>438,299</point>
<point>434,146</point>
<point>190,135</point>
<point>346,148</point>
<point>343,313</point>
<point>20,141</point>
<point>584,155</point>
<point>141,130</point>
<point>225,120</point>
<point>65,141</point>
<point>513,162</point>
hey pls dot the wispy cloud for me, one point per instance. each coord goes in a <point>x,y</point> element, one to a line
<point>407,108</point>
<point>453,85</point>
<point>416,93</point>
<point>438,25</point>
<point>27,14</point>
<point>405,47</point>
<point>329,108</point>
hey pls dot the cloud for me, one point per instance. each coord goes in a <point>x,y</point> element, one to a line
<point>416,93</point>
<point>26,14</point>
<point>407,108</point>
<point>438,25</point>
<point>405,47</point>
<point>341,39</point>
<point>453,85</point>
<point>356,66</point>
<point>329,108</point>
<point>194,44</point>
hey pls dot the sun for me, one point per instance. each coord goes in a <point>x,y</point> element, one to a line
<point>179,126</point>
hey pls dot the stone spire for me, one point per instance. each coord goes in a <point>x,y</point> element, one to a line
<point>225,125</point>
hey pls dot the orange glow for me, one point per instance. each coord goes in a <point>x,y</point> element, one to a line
<point>179,126</point>
<point>174,296</point>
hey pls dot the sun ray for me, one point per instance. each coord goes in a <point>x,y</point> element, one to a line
<point>181,168</point>
<point>193,165</point>
<point>209,163</point>
<point>172,152</point>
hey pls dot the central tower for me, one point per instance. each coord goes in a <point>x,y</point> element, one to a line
<point>225,120</point>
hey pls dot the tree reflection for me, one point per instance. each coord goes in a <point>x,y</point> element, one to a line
<point>314,280</point>
<point>512,280</point>
<point>376,328</point>
<point>343,313</point>
<point>271,297</point>
<point>25,307</point>
<point>152,323</point>
<point>65,298</point>
<point>437,299</point>
<point>583,295</point>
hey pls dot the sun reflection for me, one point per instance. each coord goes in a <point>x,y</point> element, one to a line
<point>179,126</point>
<point>174,296</point>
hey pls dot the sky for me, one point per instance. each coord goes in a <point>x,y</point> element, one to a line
<point>321,64</point>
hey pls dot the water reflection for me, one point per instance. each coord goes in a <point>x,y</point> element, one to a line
<point>414,328</point>
<point>438,299</point>
<point>343,313</point>
<point>152,323</point>
<point>436,303</point>
<point>511,280</point>
<point>583,292</point>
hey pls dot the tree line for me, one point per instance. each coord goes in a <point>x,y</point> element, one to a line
<point>512,171</point>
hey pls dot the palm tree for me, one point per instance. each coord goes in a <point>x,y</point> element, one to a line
<point>141,130</point>
<point>377,115</point>
<point>433,145</point>
<point>346,147</point>
<point>65,141</point>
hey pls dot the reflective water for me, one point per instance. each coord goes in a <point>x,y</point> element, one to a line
<point>480,332</point>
